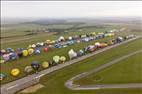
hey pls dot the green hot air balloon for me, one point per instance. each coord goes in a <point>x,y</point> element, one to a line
<point>56,59</point>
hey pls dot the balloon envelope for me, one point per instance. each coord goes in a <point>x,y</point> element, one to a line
<point>2,76</point>
<point>35,65</point>
<point>28,69</point>
<point>45,49</point>
<point>45,64</point>
<point>30,51</point>
<point>62,58</point>
<point>25,52</point>
<point>15,72</point>
<point>72,54</point>
<point>56,59</point>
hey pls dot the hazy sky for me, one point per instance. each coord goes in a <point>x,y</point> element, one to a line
<point>70,8</point>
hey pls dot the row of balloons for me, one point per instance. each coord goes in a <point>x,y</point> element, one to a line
<point>35,65</point>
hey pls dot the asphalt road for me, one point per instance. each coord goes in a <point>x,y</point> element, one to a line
<point>69,84</point>
<point>12,87</point>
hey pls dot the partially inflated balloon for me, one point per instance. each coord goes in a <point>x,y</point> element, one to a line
<point>2,76</point>
<point>56,59</point>
<point>25,52</point>
<point>45,49</point>
<point>28,69</point>
<point>37,51</point>
<point>72,54</point>
<point>6,57</point>
<point>63,59</point>
<point>35,65</point>
<point>30,51</point>
<point>15,72</point>
<point>45,64</point>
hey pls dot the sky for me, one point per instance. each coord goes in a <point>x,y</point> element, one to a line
<point>61,9</point>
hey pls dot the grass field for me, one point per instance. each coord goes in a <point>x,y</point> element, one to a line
<point>126,71</point>
<point>22,62</point>
<point>54,82</point>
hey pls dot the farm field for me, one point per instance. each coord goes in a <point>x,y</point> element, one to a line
<point>17,41</point>
<point>54,82</point>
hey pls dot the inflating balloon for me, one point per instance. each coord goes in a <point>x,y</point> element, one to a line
<point>35,65</point>
<point>25,52</point>
<point>37,51</point>
<point>45,64</point>
<point>30,51</point>
<point>2,76</point>
<point>45,49</point>
<point>13,55</point>
<point>56,59</point>
<point>62,59</point>
<point>72,54</point>
<point>33,45</point>
<point>28,69</point>
<point>6,57</point>
<point>15,72</point>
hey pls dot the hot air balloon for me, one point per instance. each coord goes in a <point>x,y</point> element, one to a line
<point>72,54</point>
<point>35,65</point>
<point>56,59</point>
<point>30,51</point>
<point>45,49</point>
<point>28,69</point>
<point>6,57</point>
<point>33,45</point>
<point>61,38</point>
<point>37,51</point>
<point>2,76</point>
<point>62,59</point>
<point>15,72</point>
<point>45,64</point>
<point>3,51</point>
<point>13,55</point>
<point>25,52</point>
<point>80,52</point>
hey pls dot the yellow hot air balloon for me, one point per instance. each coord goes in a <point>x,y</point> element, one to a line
<point>62,59</point>
<point>30,51</point>
<point>15,72</point>
<point>25,52</point>
<point>45,64</point>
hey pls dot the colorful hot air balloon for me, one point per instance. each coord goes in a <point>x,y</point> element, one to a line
<point>56,59</point>
<point>25,52</point>
<point>72,54</point>
<point>30,51</point>
<point>45,64</point>
<point>45,49</point>
<point>6,57</point>
<point>2,76</point>
<point>37,51</point>
<point>28,69</point>
<point>62,59</point>
<point>15,72</point>
<point>35,65</point>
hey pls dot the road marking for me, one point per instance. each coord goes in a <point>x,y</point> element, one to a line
<point>12,86</point>
<point>40,76</point>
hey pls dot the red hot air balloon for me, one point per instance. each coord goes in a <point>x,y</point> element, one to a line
<point>45,49</point>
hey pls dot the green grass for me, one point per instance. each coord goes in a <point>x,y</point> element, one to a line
<point>54,82</point>
<point>126,71</point>
<point>22,62</point>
